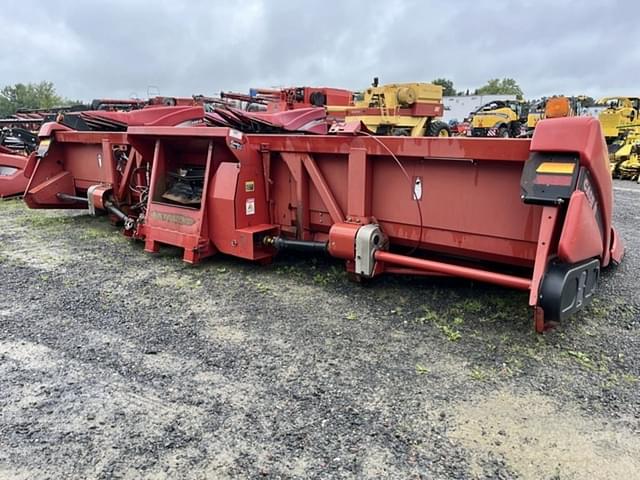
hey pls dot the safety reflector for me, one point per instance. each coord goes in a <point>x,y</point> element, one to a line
<point>556,167</point>
<point>43,146</point>
<point>564,180</point>
<point>549,179</point>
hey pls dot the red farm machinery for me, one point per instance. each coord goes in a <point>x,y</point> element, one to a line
<point>16,144</point>
<point>530,214</point>
<point>19,140</point>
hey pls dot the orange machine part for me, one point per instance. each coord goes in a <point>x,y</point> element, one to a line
<point>557,107</point>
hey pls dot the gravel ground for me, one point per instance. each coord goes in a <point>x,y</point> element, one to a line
<point>117,364</point>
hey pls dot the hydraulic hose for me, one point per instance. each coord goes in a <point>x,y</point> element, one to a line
<point>280,244</point>
<point>72,198</point>
<point>128,221</point>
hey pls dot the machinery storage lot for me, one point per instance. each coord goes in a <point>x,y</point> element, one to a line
<point>117,365</point>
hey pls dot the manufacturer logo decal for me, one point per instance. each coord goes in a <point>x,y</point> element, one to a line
<point>173,218</point>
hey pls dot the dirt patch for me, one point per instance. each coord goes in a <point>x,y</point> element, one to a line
<point>539,439</point>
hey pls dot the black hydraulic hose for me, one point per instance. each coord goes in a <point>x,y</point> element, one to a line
<point>129,222</point>
<point>108,205</point>
<point>116,211</point>
<point>280,244</point>
<point>72,198</point>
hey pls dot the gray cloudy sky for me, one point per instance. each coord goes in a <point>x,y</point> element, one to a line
<point>120,47</point>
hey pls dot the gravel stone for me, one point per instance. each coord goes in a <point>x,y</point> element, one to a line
<point>118,364</point>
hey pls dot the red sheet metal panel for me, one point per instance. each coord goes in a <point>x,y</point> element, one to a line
<point>12,178</point>
<point>582,135</point>
<point>581,237</point>
<point>469,205</point>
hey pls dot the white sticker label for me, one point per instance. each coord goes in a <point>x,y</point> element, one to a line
<point>237,134</point>
<point>417,188</point>
<point>250,206</point>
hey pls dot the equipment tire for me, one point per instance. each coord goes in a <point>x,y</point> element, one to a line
<point>503,132</point>
<point>318,99</point>
<point>438,129</point>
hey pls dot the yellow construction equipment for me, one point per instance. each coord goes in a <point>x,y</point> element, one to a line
<point>624,156</point>
<point>500,118</point>
<point>407,109</point>
<point>630,168</point>
<point>536,113</point>
<point>619,111</point>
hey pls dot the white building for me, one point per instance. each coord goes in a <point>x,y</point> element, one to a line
<point>459,107</point>
<point>592,111</point>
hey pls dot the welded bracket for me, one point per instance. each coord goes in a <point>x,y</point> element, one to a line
<point>98,203</point>
<point>94,200</point>
<point>369,239</point>
<point>543,251</point>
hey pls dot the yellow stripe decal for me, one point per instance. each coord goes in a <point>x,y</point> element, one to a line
<point>553,167</point>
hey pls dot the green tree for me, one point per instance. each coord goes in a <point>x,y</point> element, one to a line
<point>587,101</point>
<point>28,96</point>
<point>447,86</point>
<point>496,86</point>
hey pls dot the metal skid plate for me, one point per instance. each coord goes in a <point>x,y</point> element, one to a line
<point>566,288</point>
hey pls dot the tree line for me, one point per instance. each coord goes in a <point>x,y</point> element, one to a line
<point>30,96</point>
<point>494,86</point>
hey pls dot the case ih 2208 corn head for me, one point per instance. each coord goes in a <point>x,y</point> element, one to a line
<point>533,215</point>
